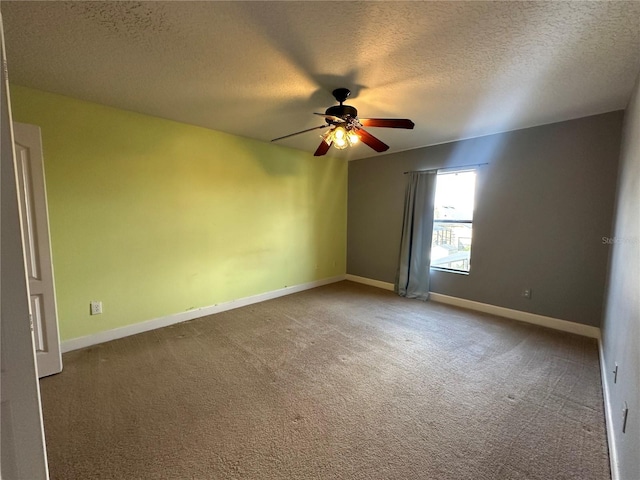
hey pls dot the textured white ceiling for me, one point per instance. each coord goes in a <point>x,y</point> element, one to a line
<point>259,69</point>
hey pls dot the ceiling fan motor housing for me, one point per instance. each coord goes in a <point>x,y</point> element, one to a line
<point>341,111</point>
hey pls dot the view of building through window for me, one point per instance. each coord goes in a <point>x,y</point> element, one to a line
<point>453,220</point>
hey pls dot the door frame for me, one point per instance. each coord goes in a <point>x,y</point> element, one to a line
<point>22,443</point>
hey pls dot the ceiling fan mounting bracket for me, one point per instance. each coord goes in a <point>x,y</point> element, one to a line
<point>341,94</point>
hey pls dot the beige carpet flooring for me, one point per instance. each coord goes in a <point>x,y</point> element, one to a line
<point>340,382</point>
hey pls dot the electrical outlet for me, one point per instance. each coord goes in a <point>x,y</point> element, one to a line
<point>526,293</point>
<point>96,308</point>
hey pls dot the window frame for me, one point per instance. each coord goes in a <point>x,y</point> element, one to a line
<point>457,221</point>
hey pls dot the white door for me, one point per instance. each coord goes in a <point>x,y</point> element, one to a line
<point>22,447</point>
<point>35,227</point>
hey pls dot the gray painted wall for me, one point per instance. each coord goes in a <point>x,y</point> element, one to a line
<point>543,204</point>
<point>621,326</point>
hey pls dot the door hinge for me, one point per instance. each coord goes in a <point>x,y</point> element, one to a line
<point>31,322</point>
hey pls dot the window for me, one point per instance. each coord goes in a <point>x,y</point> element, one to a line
<point>453,220</point>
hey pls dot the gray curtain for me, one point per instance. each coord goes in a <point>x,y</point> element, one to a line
<point>412,278</point>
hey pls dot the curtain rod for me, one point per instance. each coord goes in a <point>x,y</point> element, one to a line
<point>446,168</point>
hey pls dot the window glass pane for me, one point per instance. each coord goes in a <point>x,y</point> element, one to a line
<point>454,196</point>
<point>451,245</point>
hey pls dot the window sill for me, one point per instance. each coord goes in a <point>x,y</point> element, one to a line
<point>449,270</point>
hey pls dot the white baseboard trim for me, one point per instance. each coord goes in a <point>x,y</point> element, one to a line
<point>369,281</point>
<point>121,332</point>
<point>608,415</point>
<point>549,322</point>
<point>534,318</point>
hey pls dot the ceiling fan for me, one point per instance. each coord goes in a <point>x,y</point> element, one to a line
<point>345,128</point>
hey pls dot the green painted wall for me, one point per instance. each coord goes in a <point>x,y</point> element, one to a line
<point>155,217</point>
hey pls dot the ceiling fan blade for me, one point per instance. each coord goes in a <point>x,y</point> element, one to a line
<point>322,149</point>
<point>387,122</point>
<point>372,141</point>
<point>298,133</point>
<point>331,117</point>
